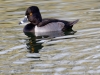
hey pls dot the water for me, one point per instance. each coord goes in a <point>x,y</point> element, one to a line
<point>76,54</point>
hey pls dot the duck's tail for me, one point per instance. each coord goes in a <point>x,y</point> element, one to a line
<point>69,24</point>
<point>73,22</point>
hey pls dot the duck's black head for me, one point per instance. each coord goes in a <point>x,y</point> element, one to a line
<point>33,15</point>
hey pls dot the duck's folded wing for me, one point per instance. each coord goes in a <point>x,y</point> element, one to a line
<point>46,21</point>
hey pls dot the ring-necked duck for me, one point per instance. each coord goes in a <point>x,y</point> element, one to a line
<point>37,24</point>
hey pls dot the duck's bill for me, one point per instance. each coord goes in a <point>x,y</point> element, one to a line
<point>24,20</point>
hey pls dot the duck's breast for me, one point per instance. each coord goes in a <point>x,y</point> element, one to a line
<point>55,26</point>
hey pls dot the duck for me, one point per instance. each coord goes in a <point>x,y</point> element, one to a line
<point>39,24</point>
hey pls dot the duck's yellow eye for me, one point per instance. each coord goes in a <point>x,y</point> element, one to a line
<point>30,14</point>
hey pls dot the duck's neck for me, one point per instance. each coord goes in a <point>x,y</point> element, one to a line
<point>40,18</point>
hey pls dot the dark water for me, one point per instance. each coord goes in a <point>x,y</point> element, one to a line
<point>59,54</point>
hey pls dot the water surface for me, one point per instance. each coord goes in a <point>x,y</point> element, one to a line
<point>76,54</point>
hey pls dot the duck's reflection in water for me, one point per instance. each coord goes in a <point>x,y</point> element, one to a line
<point>33,44</point>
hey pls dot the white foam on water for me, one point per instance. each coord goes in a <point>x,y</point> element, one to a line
<point>92,48</point>
<point>94,22</point>
<point>54,42</point>
<point>42,70</point>
<point>60,56</point>
<point>43,65</point>
<point>42,41</point>
<point>12,57</point>
<point>94,10</point>
<point>88,57</point>
<point>25,60</point>
<point>78,68</point>
<point>33,55</point>
<point>76,73</point>
<point>81,61</point>
<point>15,71</point>
<point>82,40</point>
<point>96,56</point>
<point>85,61</point>
<point>92,29</point>
<point>11,49</point>
<point>98,67</point>
<point>60,69</point>
<point>29,59</point>
<point>94,71</point>
<point>61,62</point>
<point>19,62</point>
<point>57,74</point>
